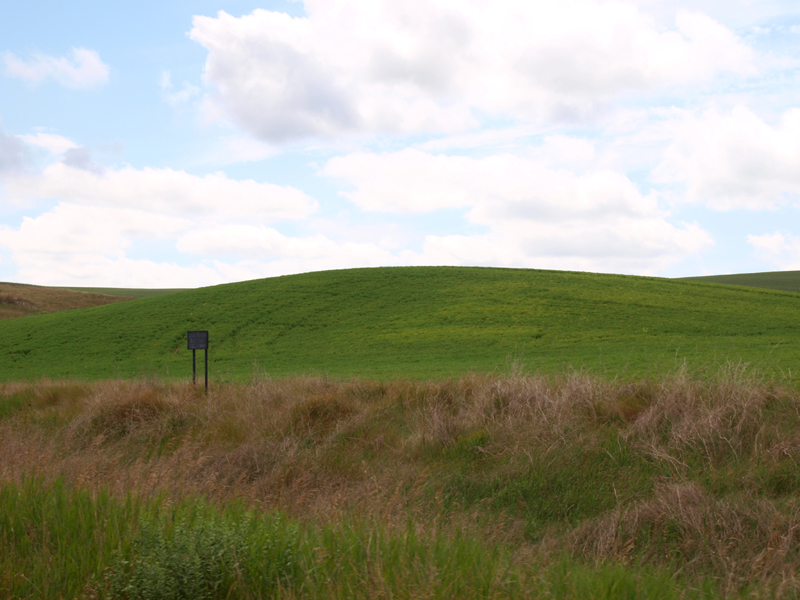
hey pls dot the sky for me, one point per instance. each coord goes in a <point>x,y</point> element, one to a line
<point>196,142</point>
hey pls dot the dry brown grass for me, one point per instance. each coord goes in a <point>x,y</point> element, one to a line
<point>710,451</point>
<point>20,300</point>
<point>741,539</point>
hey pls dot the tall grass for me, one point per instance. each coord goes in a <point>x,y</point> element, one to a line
<point>61,542</point>
<point>682,475</point>
<point>56,541</point>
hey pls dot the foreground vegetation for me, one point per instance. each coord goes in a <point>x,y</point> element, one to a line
<point>414,322</point>
<point>70,544</point>
<point>527,486</point>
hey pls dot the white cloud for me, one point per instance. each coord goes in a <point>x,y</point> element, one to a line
<point>73,245</point>
<point>55,144</point>
<point>735,160</point>
<point>97,270</point>
<point>175,97</point>
<point>782,251</point>
<point>89,245</point>
<point>536,213</point>
<point>83,70</point>
<point>412,181</point>
<point>163,191</point>
<point>103,214</point>
<point>267,244</point>
<point>75,229</point>
<point>429,65</point>
<point>239,149</point>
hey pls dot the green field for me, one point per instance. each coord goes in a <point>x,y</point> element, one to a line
<point>786,281</point>
<point>415,322</point>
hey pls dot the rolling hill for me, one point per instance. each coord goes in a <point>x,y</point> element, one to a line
<point>127,293</point>
<point>414,322</point>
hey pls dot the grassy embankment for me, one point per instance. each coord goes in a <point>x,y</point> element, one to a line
<point>415,322</point>
<point>486,486</point>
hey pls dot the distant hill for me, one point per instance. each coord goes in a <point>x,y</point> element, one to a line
<point>128,293</point>
<point>20,300</point>
<point>786,281</point>
<point>415,322</point>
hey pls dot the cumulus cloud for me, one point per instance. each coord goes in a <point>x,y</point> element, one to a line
<point>90,245</point>
<point>782,251</point>
<point>73,244</point>
<point>98,270</point>
<point>432,65</point>
<point>267,244</point>
<point>735,159</point>
<point>83,70</point>
<point>75,229</point>
<point>78,180</point>
<point>534,213</point>
<point>102,215</point>
<point>53,143</point>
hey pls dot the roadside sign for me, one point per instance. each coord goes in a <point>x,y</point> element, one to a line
<point>198,340</point>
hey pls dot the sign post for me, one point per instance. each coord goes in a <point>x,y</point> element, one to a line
<point>198,340</point>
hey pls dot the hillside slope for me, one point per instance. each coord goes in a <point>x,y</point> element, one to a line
<point>786,281</point>
<point>414,322</point>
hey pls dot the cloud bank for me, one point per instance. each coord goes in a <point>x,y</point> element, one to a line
<point>424,66</point>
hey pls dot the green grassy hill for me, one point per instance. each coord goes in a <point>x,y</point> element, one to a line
<point>786,281</point>
<point>414,322</point>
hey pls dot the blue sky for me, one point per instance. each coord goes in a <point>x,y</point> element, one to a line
<point>192,143</point>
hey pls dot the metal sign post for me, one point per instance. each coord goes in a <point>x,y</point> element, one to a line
<point>198,340</point>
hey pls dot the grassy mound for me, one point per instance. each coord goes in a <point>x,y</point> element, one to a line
<point>414,322</point>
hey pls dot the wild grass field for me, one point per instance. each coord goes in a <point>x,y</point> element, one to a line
<point>415,322</point>
<point>484,486</point>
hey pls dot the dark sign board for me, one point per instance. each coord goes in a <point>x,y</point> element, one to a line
<point>198,340</point>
